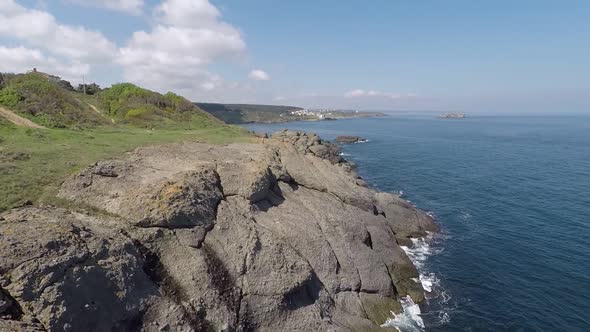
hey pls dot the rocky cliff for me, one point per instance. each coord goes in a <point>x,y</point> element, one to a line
<point>280,235</point>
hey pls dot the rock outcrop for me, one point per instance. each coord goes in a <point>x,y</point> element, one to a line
<point>349,139</point>
<point>193,237</point>
<point>452,116</point>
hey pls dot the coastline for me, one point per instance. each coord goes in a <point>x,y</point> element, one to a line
<point>283,233</point>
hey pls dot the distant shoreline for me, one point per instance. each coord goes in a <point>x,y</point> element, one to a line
<point>250,113</point>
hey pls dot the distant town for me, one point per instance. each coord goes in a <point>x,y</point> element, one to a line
<point>324,114</point>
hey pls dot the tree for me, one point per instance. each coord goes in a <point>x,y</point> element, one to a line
<point>2,81</point>
<point>91,88</point>
<point>65,84</point>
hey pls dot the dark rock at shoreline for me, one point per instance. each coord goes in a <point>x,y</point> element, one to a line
<point>195,237</point>
<point>310,144</point>
<point>349,139</point>
<point>452,116</point>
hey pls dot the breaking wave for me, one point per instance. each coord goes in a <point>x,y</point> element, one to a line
<point>411,317</point>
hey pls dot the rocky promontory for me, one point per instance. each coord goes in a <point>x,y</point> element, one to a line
<point>278,235</point>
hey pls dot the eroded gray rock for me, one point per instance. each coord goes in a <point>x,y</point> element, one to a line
<point>274,236</point>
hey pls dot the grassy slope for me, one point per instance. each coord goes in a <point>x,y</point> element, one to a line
<point>43,100</point>
<point>85,129</point>
<point>34,162</point>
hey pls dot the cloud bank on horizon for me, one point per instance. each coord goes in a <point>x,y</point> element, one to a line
<point>199,49</point>
<point>184,39</point>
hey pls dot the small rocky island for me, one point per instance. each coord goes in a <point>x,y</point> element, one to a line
<point>452,116</point>
<point>350,139</point>
<point>281,235</point>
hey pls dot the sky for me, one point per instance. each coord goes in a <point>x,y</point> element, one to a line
<point>456,55</point>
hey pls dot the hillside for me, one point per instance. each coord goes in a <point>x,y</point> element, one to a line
<point>245,113</point>
<point>43,100</point>
<point>48,130</point>
<point>51,102</point>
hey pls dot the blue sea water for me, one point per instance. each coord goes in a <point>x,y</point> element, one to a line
<point>512,195</point>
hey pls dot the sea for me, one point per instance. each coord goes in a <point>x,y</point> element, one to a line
<point>512,196</point>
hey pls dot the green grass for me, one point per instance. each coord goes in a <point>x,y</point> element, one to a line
<point>34,162</point>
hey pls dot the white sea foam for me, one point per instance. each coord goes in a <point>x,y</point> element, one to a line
<point>342,154</point>
<point>465,216</point>
<point>409,319</point>
<point>428,281</point>
<point>419,252</point>
<point>361,141</point>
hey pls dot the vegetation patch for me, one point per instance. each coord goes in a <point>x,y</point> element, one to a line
<point>43,99</point>
<point>140,107</point>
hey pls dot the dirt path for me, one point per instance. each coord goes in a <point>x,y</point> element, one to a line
<point>18,120</point>
<point>94,108</point>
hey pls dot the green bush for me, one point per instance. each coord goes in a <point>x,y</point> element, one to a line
<point>138,113</point>
<point>10,98</point>
<point>120,98</point>
<point>145,108</point>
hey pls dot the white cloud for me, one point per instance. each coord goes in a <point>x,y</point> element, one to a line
<point>40,29</point>
<point>258,75</point>
<point>133,7</point>
<point>373,93</point>
<point>188,36</point>
<point>22,59</point>
<point>355,93</point>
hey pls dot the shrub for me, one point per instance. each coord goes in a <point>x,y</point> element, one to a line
<point>65,85</point>
<point>120,98</point>
<point>10,98</point>
<point>138,112</point>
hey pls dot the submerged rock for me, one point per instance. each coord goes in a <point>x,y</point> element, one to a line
<point>274,236</point>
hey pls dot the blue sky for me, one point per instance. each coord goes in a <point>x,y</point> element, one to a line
<point>472,56</point>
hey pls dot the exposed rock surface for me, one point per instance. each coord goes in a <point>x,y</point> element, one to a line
<point>349,139</point>
<point>243,237</point>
